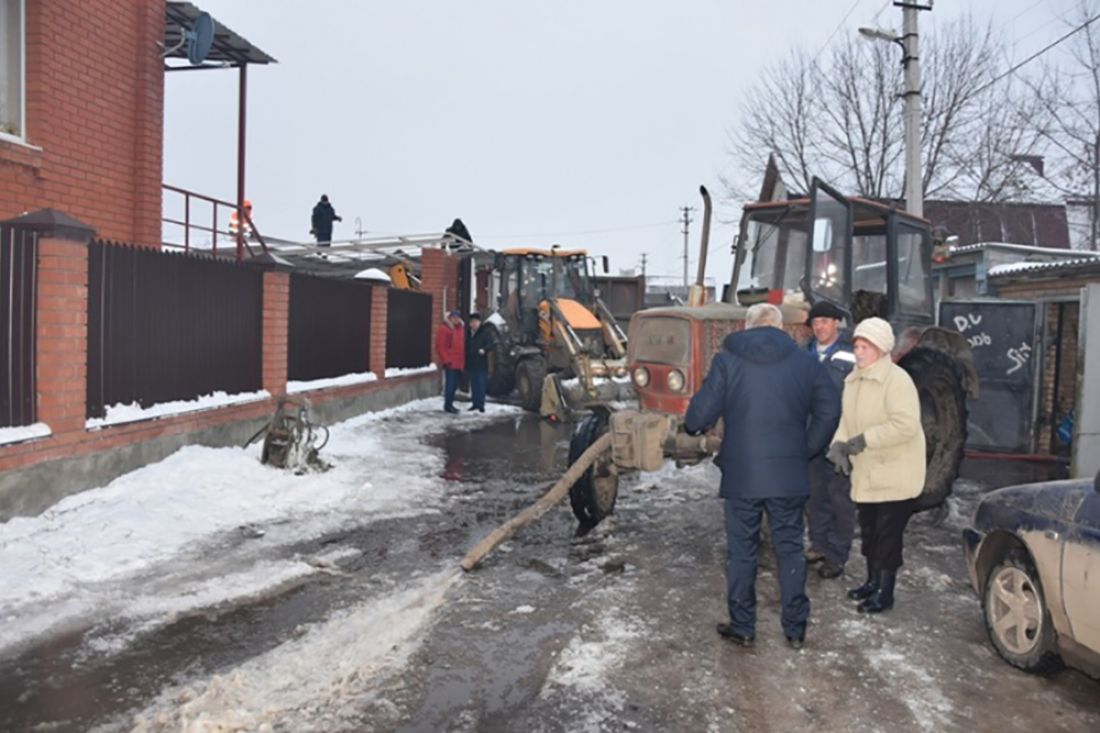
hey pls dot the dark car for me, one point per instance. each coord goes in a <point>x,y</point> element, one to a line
<point>1033,554</point>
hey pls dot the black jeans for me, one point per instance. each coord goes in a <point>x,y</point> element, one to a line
<point>881,529</point>
<point>831,511</point>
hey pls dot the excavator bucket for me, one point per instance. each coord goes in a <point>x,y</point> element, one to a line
<point>562,397</point>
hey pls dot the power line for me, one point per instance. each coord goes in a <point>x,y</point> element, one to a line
<point>836,30</point>
<point>1037,54</point>
<point>628,228</point>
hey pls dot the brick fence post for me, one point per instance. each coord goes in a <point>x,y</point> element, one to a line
<point>379,318</point>
<point>432,275</point>
<point>61,318</point>
<point>276,331</point>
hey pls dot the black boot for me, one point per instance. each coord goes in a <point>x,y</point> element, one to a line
<point>869,586</point>
<point>883,598</point>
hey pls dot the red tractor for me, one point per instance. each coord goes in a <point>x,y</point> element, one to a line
<point>868,258</point>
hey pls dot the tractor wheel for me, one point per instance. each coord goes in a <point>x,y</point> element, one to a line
<point>502,369</point>
<point>530,374</point>
<point>943,413</point>
<point>593,496</point>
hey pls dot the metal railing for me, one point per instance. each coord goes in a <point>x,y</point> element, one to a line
<point>239,240</point>
<point>18,276</point>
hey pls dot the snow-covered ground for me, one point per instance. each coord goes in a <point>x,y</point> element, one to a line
<point>204,527</point>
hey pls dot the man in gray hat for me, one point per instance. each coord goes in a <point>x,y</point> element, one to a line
<point>830,510</point>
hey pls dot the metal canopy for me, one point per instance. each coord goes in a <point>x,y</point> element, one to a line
<point>228,47</point>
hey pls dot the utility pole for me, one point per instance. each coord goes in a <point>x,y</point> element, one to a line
<point>910,40</point>
<point>686,221</point>
<point>644,258</point>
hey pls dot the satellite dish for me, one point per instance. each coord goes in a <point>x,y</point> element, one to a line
<point>199,38</point>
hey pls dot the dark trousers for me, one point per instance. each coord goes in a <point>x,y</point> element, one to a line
<point>324,238</point>
<point>831,512</point>
<point>450,386</point>
<point>881,528</point>
<point>743,518</point>
<point>478,379</point>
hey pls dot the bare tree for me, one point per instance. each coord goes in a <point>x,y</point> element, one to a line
<point>842,120</point>
<point>1069,94</point>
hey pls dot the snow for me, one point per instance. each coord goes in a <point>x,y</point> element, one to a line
<point>203,525</point>
<point>372,273</point>
<point>497,320</point>
<point>1013,268</point>
<point>20,433</point>
<point>345,380</point>
<point>312,681</point>
<point>126,413</point>
<point>408,371</point>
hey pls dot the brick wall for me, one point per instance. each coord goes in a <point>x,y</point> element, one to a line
<point>276,330</point>
<point>439,278</point>
<point>95,109</point>
<point>379,321</point>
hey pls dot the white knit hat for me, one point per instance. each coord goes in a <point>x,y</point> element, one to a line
<point>878,332</point>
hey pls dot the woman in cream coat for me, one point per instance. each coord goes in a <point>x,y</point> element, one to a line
<point>880,442</point>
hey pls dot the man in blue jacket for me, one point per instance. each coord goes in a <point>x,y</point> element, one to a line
<point>780,409</point>
<point>830,511</point>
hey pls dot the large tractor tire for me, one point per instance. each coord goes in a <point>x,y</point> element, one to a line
<point>593,496</point>
<point>502,368</point>
<point>530,374</point>
<point>943,411</point>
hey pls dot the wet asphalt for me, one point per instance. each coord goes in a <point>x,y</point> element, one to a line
<point>611,631</point>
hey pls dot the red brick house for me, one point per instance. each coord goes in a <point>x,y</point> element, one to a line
<point>81,113</point>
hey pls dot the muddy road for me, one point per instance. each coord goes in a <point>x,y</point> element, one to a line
<point>612,631</point>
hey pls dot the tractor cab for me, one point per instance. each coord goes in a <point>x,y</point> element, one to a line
<point>865,257</point>
<point>532,278</point>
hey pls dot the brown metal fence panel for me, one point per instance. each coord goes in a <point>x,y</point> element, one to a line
<point>169,326</point>
<point>18,274</point>
<point>329,327</point>
<point>408,329</point>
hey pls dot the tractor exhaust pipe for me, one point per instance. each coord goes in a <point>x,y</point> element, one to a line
<point>698,294</point>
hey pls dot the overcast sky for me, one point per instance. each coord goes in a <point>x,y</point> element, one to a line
<point>580,123</point>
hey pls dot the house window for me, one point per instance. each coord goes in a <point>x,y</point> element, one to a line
<point>12,34</point>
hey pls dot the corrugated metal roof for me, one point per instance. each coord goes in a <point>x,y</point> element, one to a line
<point>228,47</point>
<point>1018,268</point>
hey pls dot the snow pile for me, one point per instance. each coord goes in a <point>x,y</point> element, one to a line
<point>372,273</point>
<point>194,528</point>
<point>344,380</point>
<point>313,682</point>
<point>409,371</point>
<point>132,412</point>
<point>21,433</point>
<point>594,654</point>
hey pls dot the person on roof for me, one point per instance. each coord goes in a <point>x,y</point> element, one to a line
<point>321,221</point>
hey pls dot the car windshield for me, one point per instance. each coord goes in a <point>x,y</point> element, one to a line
<point>661,340</point>
<point>778,248</point>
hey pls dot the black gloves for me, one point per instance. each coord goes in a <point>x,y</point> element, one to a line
<point>838,456</point>
<point>841,452</point>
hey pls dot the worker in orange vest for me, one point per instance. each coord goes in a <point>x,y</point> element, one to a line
<point>234,220</point>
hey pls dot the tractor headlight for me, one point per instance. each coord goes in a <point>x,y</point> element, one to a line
<point>676,380</point>
<point>641,376</point>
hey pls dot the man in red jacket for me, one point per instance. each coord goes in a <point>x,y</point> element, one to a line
<point>450,344</point>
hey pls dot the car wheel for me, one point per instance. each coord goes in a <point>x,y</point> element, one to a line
<point>1017,617</point>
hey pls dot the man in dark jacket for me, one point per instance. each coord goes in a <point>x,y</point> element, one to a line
<point>478,345</point>
<point>830,511</point>
<point>779,408</point>
<point>321,221</point>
